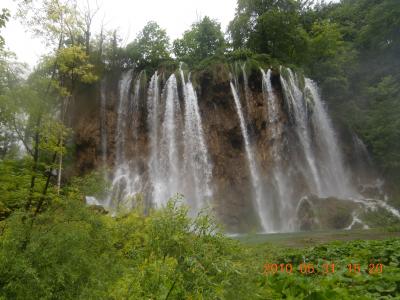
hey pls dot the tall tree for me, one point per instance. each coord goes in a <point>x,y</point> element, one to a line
<point>203,40</point>
<point>150,48</point>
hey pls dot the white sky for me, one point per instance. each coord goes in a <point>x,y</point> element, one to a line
<point>129,17</point>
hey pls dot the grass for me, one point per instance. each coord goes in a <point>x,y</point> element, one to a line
<point>311,238</point>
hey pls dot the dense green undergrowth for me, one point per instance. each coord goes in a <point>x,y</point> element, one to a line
<point>71,251</point>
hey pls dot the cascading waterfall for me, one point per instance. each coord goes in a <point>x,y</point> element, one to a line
<point>326,175</point>
<point>172,135</point>
<point>161,150</point>
<point>197,167</point>
<point>254,173</point>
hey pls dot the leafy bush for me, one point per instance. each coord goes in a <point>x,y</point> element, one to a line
<point>64,253</point>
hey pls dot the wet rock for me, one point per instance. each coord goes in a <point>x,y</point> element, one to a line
<point>315,213</point>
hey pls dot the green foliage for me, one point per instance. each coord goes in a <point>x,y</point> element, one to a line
<point>176,257</point>
<point>382,125</point>
<point>279,34</point>
<point>73,64</point>
<point>150,48</point>
<point>340,284</point>
<point>4,16</point>
<point>94,184</point>
<point>14,178</point>
<point>70,251</point>
<point>202,41</point>
<point>64,253</point>
<point>58,22</point>
<point>382,29</point>
<point>240,54</point>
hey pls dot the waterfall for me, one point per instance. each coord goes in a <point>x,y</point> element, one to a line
<point>153,98</point>
<point>197,167</point>
<point>298,112</point>
<point>254,174</point>
<point>161,150</point>
<point>272,101</point>
<point>335,179</point>
<point>125,182</point>
<point>247,93</point>
<point>280,178</point>
<point>124,85</point>
<point>103,122</point>
<point>172,136</point>
<point>326,171</point>
<point>361,149</point>
<point>168,180</point>
<point>134,107</point>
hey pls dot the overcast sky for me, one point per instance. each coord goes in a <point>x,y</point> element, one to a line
<point>129,17</point>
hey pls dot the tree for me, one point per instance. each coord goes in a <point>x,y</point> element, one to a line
<point>88,17</point>
<point>58,22</point>
<point>281,35</point>
<point>381,129</point>
<point>203,40</point>
<point>150,48</point>
<point>73,67</point>
<point>4,16</point>
<point>383,28</point>
<point>248,13</point>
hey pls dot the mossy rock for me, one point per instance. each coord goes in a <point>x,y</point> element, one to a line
<point>315,213</point>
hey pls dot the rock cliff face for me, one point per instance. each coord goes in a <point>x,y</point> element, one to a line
<point>121,122</point>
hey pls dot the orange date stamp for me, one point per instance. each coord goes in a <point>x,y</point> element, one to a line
<point>308,268</point>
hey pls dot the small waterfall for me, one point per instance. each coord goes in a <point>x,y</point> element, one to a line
<point>273,108</point>
<point>361,149</point>
<point>254,174</point>
<point>197,167</point>
<point>247,93</point>
<point>298,112</point>
<point>103,122</point>
<point>334,178</point>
